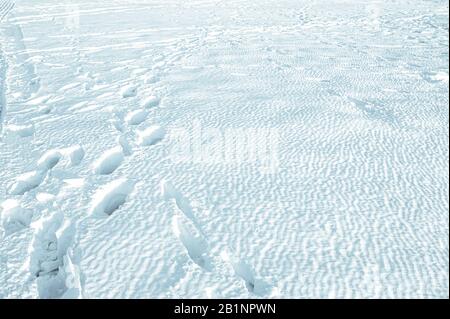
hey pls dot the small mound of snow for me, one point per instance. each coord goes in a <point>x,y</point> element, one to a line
<point>14,217</point>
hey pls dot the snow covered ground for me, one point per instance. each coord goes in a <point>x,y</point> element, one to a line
<point>206,148</point>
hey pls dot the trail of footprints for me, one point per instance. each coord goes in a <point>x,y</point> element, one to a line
<point>113,195</point>
<point>53,256</point>
<point>110,197</point>
<point>52,260</point>
<point>187,229</point>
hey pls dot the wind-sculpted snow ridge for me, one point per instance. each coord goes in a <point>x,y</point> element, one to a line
<point>224,149</point>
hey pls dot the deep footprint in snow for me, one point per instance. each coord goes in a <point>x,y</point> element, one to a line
<point>192,241</point>
<point>169,192</point>
<point>75,153</point>
<point>27,182</point>
<point>245,272</point>
<point>109,161</point>
<point>110,197</point>
<point>136,117</point>
<point>49,160</point>
<point>50,258</point>
<point>43,252</point>
<point>150,135</point>
<point>151,101</point>
<point>44,257</point>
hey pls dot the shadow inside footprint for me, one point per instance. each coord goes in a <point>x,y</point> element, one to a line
<point>247,274</point>
<point>259,288</point>
<point>111,197</point>
<point>114,203</point>
<point>195,245</point>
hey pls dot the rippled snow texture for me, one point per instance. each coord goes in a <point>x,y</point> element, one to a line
<point>117,179</point>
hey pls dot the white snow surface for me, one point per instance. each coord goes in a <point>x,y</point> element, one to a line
<point>118,179</point>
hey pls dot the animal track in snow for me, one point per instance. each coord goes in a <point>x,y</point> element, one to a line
<point>27,182</point>
<point>150,135</point>
<point>110,197</point>
<point>192,240</point>
<point>14,217</point>
<point>136,117</point>
<point>109,161</point>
